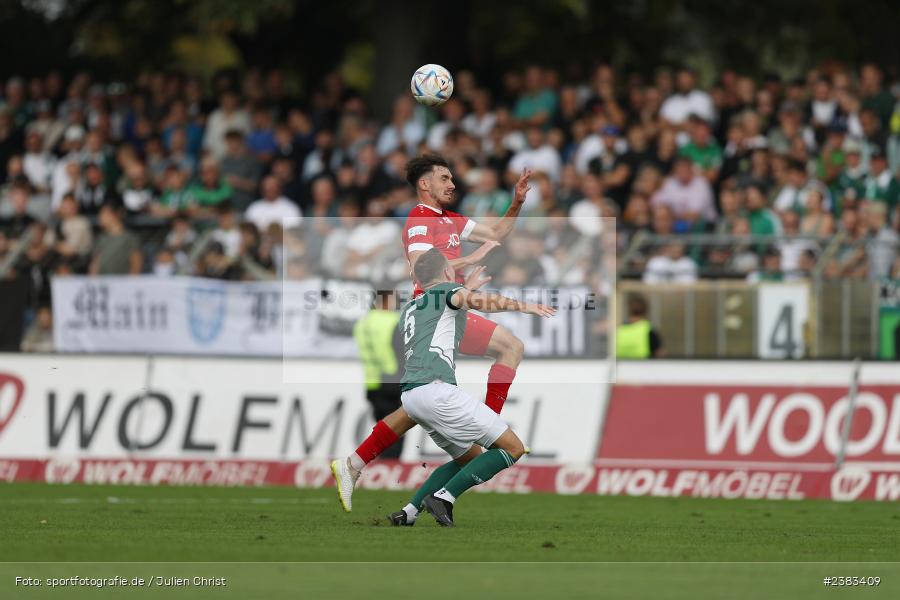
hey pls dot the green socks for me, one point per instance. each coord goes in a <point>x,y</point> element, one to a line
<point>479,470</point>
<point>435,481</point>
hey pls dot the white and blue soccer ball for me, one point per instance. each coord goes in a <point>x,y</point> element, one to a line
<point>431,85</point>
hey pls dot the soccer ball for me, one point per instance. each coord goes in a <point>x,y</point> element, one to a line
<point>431,85</point>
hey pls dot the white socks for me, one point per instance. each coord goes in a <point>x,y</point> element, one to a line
<point>355,462</point>
<point>412,513</point>
<point>443,494</point>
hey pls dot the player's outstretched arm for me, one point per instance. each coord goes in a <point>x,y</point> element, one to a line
<point>502,228</point>
<point>491,303</point>
<point>463,261</point>
<point>476,278</point>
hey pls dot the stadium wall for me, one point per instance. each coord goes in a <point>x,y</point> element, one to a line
<point>666,428</point>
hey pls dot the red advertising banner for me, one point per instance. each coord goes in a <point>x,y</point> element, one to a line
<point>751,423</point>
<point>313,473</point>
<point>850,483</point>
<point>750,441</point>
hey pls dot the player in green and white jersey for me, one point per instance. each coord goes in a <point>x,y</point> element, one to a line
<point>433,325</point>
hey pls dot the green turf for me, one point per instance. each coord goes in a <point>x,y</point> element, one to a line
<point>99,523</point>
<point>40,523</point>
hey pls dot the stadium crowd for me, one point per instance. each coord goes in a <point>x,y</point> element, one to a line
<point>169,174</point>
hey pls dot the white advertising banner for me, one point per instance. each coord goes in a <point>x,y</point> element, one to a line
<point>239,409</point>
<point>729,429</point>
<point>188,315</point>
<point>310,318</point>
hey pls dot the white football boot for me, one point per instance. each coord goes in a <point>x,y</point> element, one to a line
<point>344,481</point>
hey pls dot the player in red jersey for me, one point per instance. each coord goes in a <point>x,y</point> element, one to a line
<point>430,225</point>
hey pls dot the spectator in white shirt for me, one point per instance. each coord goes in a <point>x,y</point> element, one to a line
<point>792,249</point>
<point>66,179</point>
<point>38,163</point>
<point>369,243</point>
<point>670,266</point>
<point>539,156</point>
<point>227,233</point>
<point>590,147</point>
<point>138,194</point>
<point>795,194</point>
<point>586,214</point>
<point>453,111</point>
<point>46,124</point>
<point>63,180</point>
<point>404,131</point>
<point>334,246</point>
<point>481,120</point>
<point>326,156</point>
<point>823,107</point>
<point>71,236</point>
<point>687,101</point>
<point>272,207</point>
<point>688,194</point>
<point>229,116</point>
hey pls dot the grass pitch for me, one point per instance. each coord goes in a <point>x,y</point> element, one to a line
<point>97,524</point>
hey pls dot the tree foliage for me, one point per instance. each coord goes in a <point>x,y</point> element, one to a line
<point>310,37</point>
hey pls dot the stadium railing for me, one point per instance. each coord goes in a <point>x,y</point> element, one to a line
<point>805,318</point>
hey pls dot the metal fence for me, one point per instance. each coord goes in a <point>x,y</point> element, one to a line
<point>726,319</point>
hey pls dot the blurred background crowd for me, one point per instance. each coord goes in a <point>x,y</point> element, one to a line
<point>756,179</point>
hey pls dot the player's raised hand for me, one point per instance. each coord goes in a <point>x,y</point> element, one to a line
<point>522,186</point>
<point>476,278</point>
<point>482,251</point>
<point>540,310</point>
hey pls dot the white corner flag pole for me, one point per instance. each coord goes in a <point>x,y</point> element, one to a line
<point>851,408</point>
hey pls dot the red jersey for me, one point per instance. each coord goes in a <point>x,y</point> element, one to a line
<point>428,228</point>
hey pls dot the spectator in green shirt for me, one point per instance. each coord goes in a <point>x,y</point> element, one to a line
<point>176,195</point>
<point>703,150</point>
<point>211,189</point>
<point>881,185</point>
<point>770,270</point>
<point>486,198</point>
<point>831,159</point>
<point>763,220</point>
<point>849,185</point>
<point>538,104</point>
<point>874,96</point>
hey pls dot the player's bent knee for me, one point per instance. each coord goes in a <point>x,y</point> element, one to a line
<point>399,421</point>
<point>505,344</point>
<point>517,346</point>
<point>518,451</point>
<point>511,443</point>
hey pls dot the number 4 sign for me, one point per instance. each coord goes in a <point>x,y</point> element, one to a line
<point>782,317</point>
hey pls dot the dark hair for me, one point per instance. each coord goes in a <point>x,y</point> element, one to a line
<point>22,183</point>
<point>758,185</point>
<point>419,166</point>
<point>429,266</point>
<point>637,306</point>
<point>114,204</point>
<point>796,165</point>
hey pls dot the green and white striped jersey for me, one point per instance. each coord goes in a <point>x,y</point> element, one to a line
<point>432,330</point>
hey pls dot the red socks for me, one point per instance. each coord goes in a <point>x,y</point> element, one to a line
<point>381,438</point>
<point>500,377</point>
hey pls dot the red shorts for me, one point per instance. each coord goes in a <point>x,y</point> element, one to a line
<point>477,335</point>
